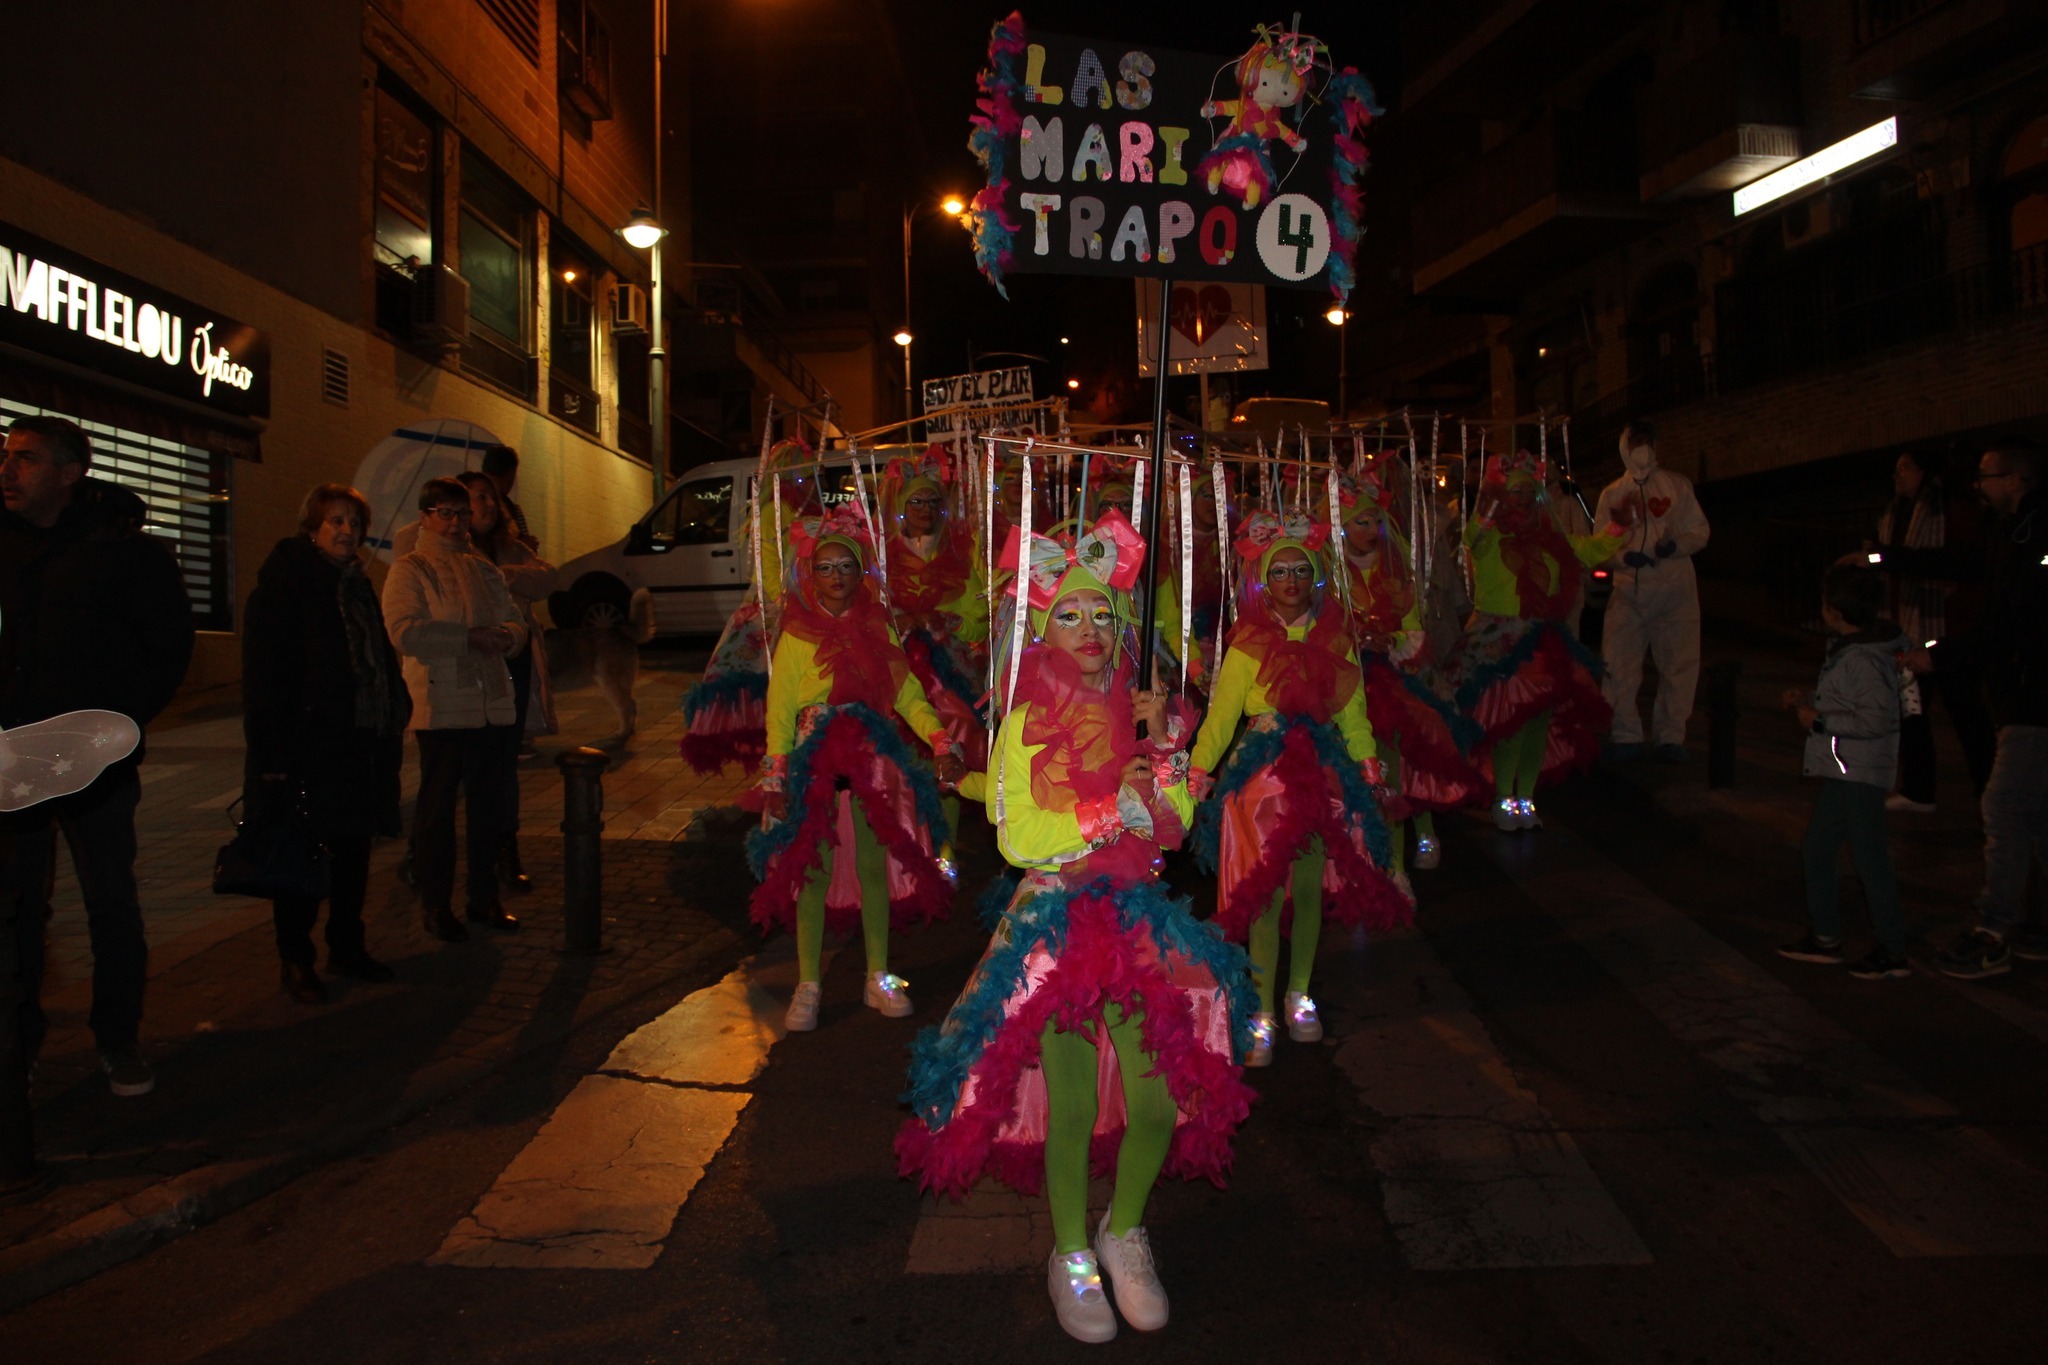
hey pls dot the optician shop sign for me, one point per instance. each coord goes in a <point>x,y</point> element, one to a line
<point>57,303</point>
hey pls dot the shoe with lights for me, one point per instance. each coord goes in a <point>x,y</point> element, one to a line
<point>1429,854</point>
<point>1525,814</point>
<point>1260,1053</point>
<point>1075,1283</point>
<point>1507,814</point>
<point>949,866</point>
<point>1133,1279</point>
<point>1304,1022</point>
<point>802,1015</point>
<point>887,993</point>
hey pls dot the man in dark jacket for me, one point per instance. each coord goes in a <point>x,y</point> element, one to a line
<point>2008,642</point>
<point>93,613</point>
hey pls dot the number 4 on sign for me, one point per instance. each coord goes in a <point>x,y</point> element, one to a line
<point>1303,241</point>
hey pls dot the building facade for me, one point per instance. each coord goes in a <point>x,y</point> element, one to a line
<point>1571,243</point>
<point>395,224</point>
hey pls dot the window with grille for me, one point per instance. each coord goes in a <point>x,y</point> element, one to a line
<point>518,20</point>
<point>186,491</point>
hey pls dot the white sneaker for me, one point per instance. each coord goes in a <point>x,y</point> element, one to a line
<point>1127,1260</point>
<point>1429,855</point>
<point>802,1015</point>
<point>1507,814</point>
<point>1899,801</point>
<point>1075,1283</point>
<point>1304,1024</point>
<point>1525,814</point>
<point>1260,1053</point>
<point>888,993</point>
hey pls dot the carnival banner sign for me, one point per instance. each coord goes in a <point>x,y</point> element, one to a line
<point>1109,158</point>
<point>982,389</point>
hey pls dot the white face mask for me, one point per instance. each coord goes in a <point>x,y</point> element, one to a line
<point>1640,459</point>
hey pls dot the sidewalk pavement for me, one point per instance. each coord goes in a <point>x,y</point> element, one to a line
<point>253,1088</point>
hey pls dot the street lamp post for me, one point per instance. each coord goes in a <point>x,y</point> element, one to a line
<point>1337,318</point>
<point>952,206</point>
<point>644,232</point>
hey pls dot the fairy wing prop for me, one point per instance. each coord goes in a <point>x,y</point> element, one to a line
<point>61,755</point>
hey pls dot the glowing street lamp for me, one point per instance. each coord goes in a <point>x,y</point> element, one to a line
<point>954,205</point>
<point>643,232</point>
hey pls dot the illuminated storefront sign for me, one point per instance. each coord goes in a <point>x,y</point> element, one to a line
<point>1822,164</point>
<point>59,304</point>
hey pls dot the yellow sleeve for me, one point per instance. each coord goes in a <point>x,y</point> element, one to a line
<point>1226,707</point>
<point>1028,835</point>
<point>1356,728</point>
<point>1594,551</point>
<point>1183,802</point>
<point>793,666</point>
<point>971,606</point>
<point>974,787</point>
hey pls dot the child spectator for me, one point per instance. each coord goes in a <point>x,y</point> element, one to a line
<point>1852,745</point>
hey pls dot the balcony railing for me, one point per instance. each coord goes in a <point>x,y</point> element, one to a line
<point>1770,332</point>
<point>1877,20</point>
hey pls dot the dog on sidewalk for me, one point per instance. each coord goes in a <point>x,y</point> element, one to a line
<point>608,656</point>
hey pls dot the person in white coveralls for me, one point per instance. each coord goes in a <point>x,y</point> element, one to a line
<point>1655,605</point>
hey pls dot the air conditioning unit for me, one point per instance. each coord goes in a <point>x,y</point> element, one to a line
<point>583,52</point>
<point>440,308</point>
<point>629,307</point>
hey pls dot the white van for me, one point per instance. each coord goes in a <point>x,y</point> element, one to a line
<point>689,552</point>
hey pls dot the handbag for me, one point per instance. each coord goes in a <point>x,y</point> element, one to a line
<point>275,855</point>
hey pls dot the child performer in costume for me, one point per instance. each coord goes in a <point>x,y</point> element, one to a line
<point>1300,802</point>
<point>1422,738</point>
<point>1533,690</point>
<point>1101,1024</point>
<point>842,793</point>
<point>935,591</point>
<point>725,713</point>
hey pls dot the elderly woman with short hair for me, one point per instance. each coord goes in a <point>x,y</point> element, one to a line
<point>455,624</point>
<point>324,711</point>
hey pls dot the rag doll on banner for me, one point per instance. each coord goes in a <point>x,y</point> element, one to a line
<point>1424,741</point>
<point>1276,83</point>
<point>1296,825</point>
<point>850,814</point>
<point>725,713</point>
<point>1102,1028</point>
<point>1520,675</point>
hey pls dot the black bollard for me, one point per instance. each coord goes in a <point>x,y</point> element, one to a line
<point>582,860</point>
<point>1722,710</point>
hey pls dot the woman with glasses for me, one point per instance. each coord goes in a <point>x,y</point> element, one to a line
<point>1528,684</point>
<point>454,622</point>
<point>1102,1022</point>
<point>849,815</point>
<point>1295,823</point>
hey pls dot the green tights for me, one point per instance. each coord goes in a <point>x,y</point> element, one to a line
<point>1518,759</point>
<point>1069,1062</point>
<point>1307,932</point>
<point>871,860</point>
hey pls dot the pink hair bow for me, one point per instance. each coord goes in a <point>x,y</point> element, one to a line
<point>1262,529</point>
<point>1112,552</point>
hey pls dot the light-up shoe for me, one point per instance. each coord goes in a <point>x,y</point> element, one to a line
<point>1304,1023</point>
<point>1429,854</point>
<point>1127,1260</point>
<point>802,1015</point>
<point>1260,1053</point>
<point>1075,1283</point>
<point>887,993</point>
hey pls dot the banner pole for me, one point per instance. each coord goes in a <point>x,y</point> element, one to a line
<point>1157,458</point>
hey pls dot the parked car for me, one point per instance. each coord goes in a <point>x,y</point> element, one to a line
<point>689,551</point>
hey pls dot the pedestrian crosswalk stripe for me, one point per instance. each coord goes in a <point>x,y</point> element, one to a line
<point>600,1185</point>
<point>1901,1159</point>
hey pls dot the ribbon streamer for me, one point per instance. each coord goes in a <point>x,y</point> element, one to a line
<point>1225,609</point>
<point>1187,570</point>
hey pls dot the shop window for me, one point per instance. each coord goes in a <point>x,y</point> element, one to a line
<point>402,236</point>
<point>496,238</point>
<point>185,489</point>
<point>572,366</point>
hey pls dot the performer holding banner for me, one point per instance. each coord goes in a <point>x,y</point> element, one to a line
<point>849,818</point>
<point>1296,820</point>
<point>1100,1027</point>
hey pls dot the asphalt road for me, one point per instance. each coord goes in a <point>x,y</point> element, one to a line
<point>1584,1114</point>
